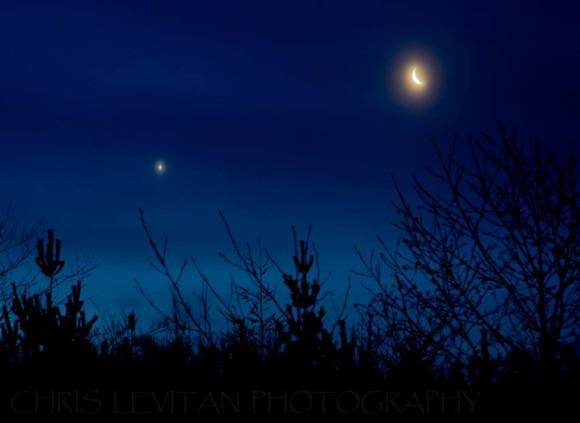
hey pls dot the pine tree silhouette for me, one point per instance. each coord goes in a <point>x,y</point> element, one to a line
<point>39,329</point>
<point>304,338</point>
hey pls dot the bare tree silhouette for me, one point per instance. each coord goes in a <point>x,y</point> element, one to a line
<point>492,266</point>
<point>15,247</point>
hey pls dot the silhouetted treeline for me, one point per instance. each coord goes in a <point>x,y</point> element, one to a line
<point>478,316</point>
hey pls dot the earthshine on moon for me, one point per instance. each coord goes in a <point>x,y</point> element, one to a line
<point>416,79</point>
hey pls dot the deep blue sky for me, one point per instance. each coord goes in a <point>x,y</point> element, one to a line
<point>277,113</point>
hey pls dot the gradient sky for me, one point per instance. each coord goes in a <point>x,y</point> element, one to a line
<point>277,113</point>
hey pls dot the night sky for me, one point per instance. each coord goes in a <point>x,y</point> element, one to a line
<point>278,113</point>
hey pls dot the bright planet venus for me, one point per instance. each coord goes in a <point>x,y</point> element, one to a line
<point>160,167</point>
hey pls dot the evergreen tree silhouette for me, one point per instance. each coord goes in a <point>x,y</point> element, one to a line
<point>40,329</point>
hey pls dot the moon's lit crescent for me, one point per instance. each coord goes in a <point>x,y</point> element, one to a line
<point>416,79</point>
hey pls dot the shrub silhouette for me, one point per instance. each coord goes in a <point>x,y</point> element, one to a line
<point>303,338</point>
<point>35,329</point>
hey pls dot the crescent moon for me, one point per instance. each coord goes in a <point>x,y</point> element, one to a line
<point>416,79</point>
